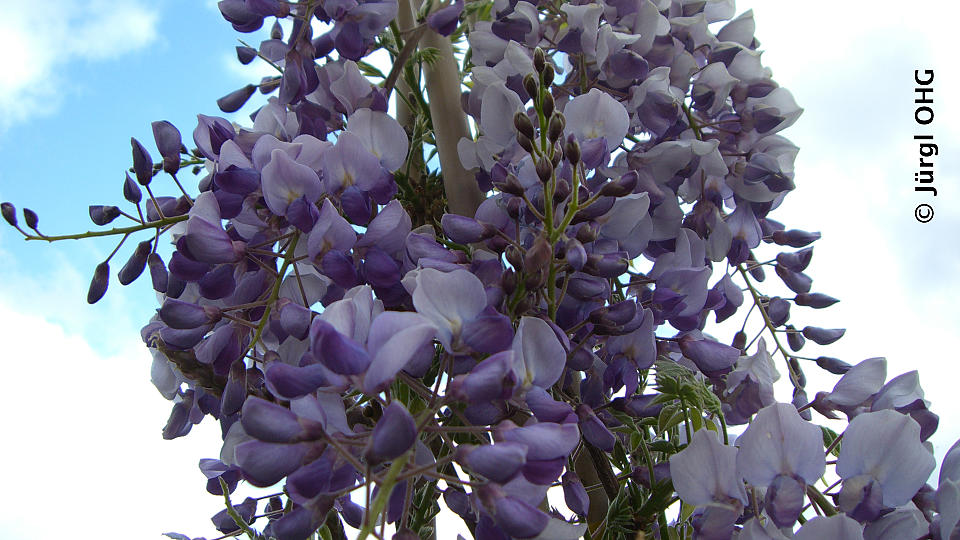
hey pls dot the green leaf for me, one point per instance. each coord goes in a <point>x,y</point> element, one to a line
<point>829,436</point>
<point>370,70</point>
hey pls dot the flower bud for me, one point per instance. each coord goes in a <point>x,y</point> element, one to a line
<point>531,86</point>
<point>538,255</point>
<point>797,282</point>
<point>623,186</point>
<point>539,60</point>
<point>523,124</point>
<point>510,186</point>
<point>572,150</point>
<point>795,339</point>
<point>740,340</point>
<point>562,190</point>
<point>555,127</point>
<point>833,365</point>
<point>508,281</point>
<point>586,233</point>
<point>544,169</point>
<point>9,213</point>
<point>794,238</point>
<point>574,254</point>
<point>593,429</point>
<point>30,217</point>
<point>574,494</point>
<point>535,280</point>
<point>169,143</point>
<point>236,99</point>
<point>142,162</point>
<point>525,142</point>
<point>514,257</point>
<point>158,273</point>
<point>135,264</point>
<point>101,215</point>
<point>131,191</point>
<point>548,105</point>
<point>513,207</point>
<point>815,300</point>
<point>98,285</point>
<point>548,73</point>
<point>823,336</point>
<point>246,54</point>
<point>393,435</point>
<point>795,367</point>
<point>557,155</point>
<point>181,315</point>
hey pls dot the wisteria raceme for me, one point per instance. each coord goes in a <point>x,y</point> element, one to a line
<point>354,340</point>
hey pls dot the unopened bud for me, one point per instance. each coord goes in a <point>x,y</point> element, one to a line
<point>548,105</point>
<point>514,257</point>
<point>158,273</point>
<point>508,281</point>
<point>98,285</point>
<point>513,207</point>
<point>9,212</point>
<point>798,371</point>
<point>555,127</point>
<point>562,190</point>
<point>246,54</point>
<point>544,169</point>
<point>525,143</point>
<point>739,340</point>
<point>512,185</point>
<point>833,365</point>
<point>236,99</point>
<point>572,150</point>
<point>586,233</point>
<point>135,264</point>
<point>523,124</point>
<point>131,191</point>
<point>535,281</point>
<point>531,86</point>
<point>539,60</point>
<point>101,215</point>
<point>795,339</point>
<point>142,162</point>
<point>30,217</point>
<point>525,305</point>
<point>538,255</point>
<point>557,155</point>
<point>548,73</point>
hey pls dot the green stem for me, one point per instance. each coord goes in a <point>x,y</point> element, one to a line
<point>794,378</point>
<point>112,232</point>
<point>287,260</point>
<point>821,500</point>
<point>380,502</point>
<point>232,512</point>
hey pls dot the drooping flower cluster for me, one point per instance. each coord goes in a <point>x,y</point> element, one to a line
<point>345,335</point>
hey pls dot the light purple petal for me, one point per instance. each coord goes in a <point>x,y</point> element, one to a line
<point>539,356</point>
<point>838,527</point>
<point>862,381</point>
<point>706,471</point>
<point>395,337</point>
<point>778,441</point>
<point>285,180</point>
<point>886,445</point>
<point>381,135</point>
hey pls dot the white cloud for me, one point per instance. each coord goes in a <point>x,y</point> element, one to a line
<point>39,38</point>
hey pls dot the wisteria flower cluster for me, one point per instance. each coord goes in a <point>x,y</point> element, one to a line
<point>369,352</point>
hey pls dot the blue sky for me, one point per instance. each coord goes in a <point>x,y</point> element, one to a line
<point>78,79</point>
